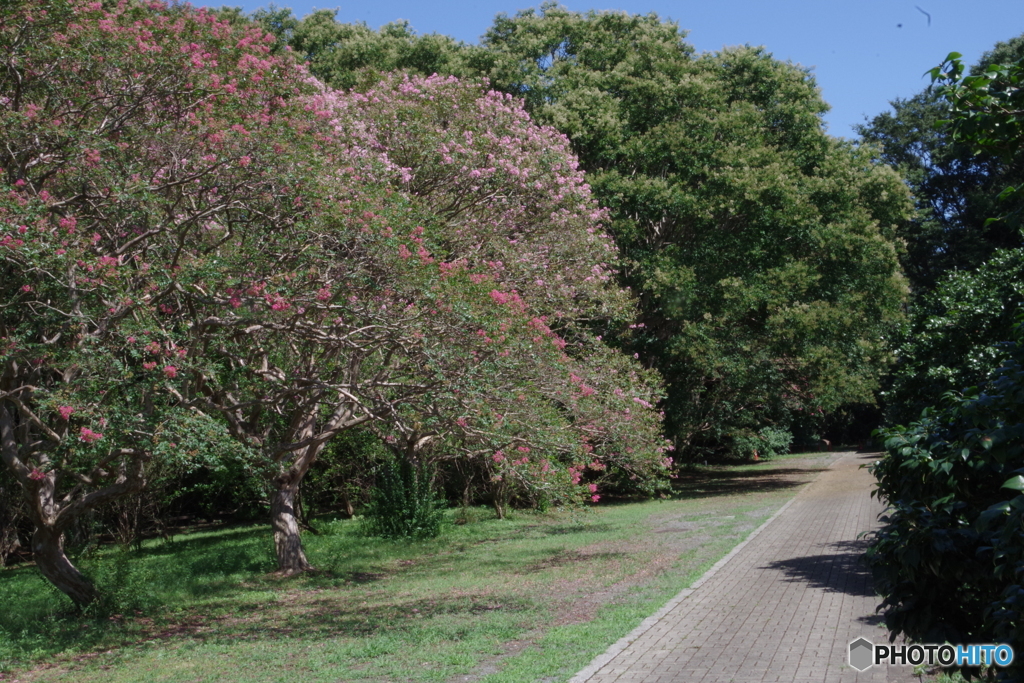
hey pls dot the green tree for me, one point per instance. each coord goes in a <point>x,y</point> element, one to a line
<point>955,185</point>
<point>954,336</point>
<point>964,241</point>
<point>350,55</point>
<point>763,251</point>
<point>953,479</point>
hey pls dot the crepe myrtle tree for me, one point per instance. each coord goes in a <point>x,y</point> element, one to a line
<point>185,207</point>
<point>502,194</point>
<point>403,283</point>
<point>532,411</point>
<point>137,141</point>
<point>494,187</point>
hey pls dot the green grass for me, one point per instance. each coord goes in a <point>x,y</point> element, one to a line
<point>532,598</point>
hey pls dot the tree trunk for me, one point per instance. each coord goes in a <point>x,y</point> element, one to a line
<point>287,541</point>
<point>48,553</point>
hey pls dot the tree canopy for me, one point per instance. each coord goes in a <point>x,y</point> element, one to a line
<point>956,185</point>
<point>763,252</point>
<point>204,250</point>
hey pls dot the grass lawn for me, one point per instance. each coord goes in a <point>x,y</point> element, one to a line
<point>532,598</point>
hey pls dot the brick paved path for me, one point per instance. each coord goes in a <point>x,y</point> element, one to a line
<point>783,606</point>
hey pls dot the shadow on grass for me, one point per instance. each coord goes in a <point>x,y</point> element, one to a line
<point>187,543</point>
<point>563,558</point>
<point>841,571</point>
<point>724,482</point>
<point>584,528</point>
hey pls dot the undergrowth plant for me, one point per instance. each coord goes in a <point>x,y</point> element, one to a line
<point>403,503</point>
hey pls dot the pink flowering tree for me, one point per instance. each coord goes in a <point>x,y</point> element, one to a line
<point>204,252</point>
<point>138,141</point>
<point>400,309</point>
<point>503,202</point>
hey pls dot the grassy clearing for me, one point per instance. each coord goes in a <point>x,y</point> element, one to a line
<point>532,598</point>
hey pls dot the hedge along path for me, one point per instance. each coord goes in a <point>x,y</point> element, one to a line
<point>782,606</point>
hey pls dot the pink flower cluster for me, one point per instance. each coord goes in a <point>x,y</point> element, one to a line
<point>86,435</point>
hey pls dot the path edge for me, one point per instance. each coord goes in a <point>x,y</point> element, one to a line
<point>625,641</point>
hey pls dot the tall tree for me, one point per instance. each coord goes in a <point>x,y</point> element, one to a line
<point>955,185</point>
<point>206,243</point>
<point>953,478</point>
<point>963,241</point>
<point>762,250</point>
<point>127,145</point>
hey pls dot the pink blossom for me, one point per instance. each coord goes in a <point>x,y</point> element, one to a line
<point>65,412</point>
<point>403,251</point>
<point>26,288</point>
<point>170,371</point>
<point>244,161</point>
<point>148,366</point>
<point>36,475</point>
<point>595,498</point>
<point>89,436</point>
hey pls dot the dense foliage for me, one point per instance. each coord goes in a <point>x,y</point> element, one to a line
<point>403,504</point>
<point>954,334</point>
<point>208,256</point>
<point>949,558</point>
<point>114,156</point>
<point>763,251</point>
<point>963,263</point>
<point>956,186</point>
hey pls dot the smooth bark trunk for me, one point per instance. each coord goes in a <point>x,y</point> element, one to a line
<point>287,540</point>
<point>48,553</point>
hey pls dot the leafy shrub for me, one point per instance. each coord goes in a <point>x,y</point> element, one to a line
<point>126,585</point>
<point>952,340</point>
<point>766,443</point>
<point>403,503</point>
<point>949,558</point>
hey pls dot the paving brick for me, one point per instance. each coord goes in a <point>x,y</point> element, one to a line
<point>784,607</point>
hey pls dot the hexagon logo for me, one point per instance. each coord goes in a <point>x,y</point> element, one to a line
<point>860,654</point>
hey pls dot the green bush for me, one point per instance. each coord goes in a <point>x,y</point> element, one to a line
<point>949,558</point>
<point>403,503</point>
<point>766,443</point>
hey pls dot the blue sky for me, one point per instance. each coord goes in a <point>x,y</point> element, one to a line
<point>863,54</point>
